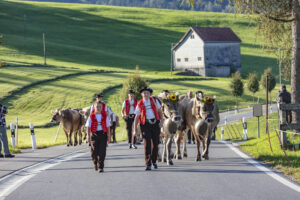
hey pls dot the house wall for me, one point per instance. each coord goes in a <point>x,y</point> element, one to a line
<point>190,49</point>
<point>221,55</point>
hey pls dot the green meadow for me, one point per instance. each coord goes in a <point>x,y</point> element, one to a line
<point>92,48</point>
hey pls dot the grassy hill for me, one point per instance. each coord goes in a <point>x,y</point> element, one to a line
<point>84,39</point>
<point>91,36</point>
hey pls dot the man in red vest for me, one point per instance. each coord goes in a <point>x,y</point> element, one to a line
<point>98,135</point>
<point>149,114</point>
<point>128,115</point>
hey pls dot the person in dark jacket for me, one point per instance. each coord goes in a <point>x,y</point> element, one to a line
<point>285,97</point>
<point>3,135</point>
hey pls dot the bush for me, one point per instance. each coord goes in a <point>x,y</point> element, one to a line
<point>253,84</point>
<point>237,86</point>
<point>134,82</point>
<point>271,79</point>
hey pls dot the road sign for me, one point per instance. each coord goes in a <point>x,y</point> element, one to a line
<point>257,110</point>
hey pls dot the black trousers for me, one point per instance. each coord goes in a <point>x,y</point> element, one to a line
<point>129,123</point>
<point>113,131</point>
<point>98,148</point>
<point>151,134</point>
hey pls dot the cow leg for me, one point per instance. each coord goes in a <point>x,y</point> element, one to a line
<point>70,137</point>
<point>75,138</point>
<point>184,151</point>
<point>163,156</point>
<point>67,136</point>
<point>80,136</point>
<point>169,146</point>
<point>177,155</point>
<point>205,151</point>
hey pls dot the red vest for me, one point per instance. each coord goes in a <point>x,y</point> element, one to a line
<point>95,122</point>
<point>127,105</point>
<point>143,110</point>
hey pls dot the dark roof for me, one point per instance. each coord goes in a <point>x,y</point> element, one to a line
<point>216,34</point>
<point>212,34</point>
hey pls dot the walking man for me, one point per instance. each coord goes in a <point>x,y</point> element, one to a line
<point>98,125</point>
<point>115,122</point>
<point>3,135</point>
<point>128,108</point>
<point>149,115</point>
<point>189,134</point>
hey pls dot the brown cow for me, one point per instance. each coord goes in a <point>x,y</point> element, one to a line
<point>172,121</point>
<point>71,121</point>
<point>198,118</point>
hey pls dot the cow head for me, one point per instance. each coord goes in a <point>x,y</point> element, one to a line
<point>85,113</point>
<point>170,105</point>
<point>57,115</point>
<point>203,108</point>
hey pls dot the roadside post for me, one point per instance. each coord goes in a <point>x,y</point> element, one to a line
<point>17,122</point>
<point>222,133</point>
<point>12,131</point>
<point>32,136</point>
<point>245,137</point>
<point>257,112</point>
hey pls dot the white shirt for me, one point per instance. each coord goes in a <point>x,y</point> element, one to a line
<point>131,102</point>
<point>99,118</point>
<point>114,117</point>
<point>149,112</point>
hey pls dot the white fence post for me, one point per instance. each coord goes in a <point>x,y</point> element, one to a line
<point>12,131</point>
<point>245,128</point>
<point>222,133</point>
<point>32,136</point>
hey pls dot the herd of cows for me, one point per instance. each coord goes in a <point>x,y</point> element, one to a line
<point>200,115</point>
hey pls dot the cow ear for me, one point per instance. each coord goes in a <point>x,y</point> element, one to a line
<point>61,113</point>
<point>181,97</point>
<point>81,112</point>
<point>52,112</point>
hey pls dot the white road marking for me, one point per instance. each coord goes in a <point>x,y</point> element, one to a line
<point>268,171</point>
<point>11,182</point>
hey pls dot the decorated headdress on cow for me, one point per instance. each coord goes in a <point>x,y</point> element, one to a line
<point>208,100</point>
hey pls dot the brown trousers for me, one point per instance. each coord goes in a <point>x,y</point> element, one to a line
<point>98,148</point>
<point>151,134</point>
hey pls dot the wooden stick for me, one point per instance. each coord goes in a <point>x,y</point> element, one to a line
<point>286,157</point>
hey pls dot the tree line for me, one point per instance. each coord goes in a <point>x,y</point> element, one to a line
<point>200,5</point>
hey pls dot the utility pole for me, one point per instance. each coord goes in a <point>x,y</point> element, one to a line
<point>171,63</point>
<point>44,45</point>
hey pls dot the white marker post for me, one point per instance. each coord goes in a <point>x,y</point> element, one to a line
<point>245,128</point>
<point>12,131</point>
<point>222,133</point>
<point>32,135</point>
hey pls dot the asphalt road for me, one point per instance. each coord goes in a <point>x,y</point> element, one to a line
<point>225,176</point>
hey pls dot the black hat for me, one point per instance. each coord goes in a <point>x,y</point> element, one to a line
<point>198,92</point>
<point>146,89</point>
<point>131,92</point>
<point>99,95</point>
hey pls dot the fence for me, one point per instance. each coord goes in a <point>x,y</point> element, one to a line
<point>285,125</point>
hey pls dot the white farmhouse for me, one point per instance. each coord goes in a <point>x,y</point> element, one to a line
<point>208,51</point>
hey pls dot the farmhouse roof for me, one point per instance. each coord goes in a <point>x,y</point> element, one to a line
<point>212,34</point>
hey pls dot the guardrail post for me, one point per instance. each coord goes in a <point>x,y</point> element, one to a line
<point>12,131</point>
<point>32,136</point>
<point>222,133</point>
<point>245,137</point>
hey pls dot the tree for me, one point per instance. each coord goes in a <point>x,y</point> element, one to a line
<point>237,86</point>
<point>253,84</point>
<point>271,81</point>
<point>134,82</point>
<point>279,24</point>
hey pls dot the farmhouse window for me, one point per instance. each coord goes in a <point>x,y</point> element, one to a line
<point>178,59</point>
<point>192,36</point>
<point>186,59</point>
<point>199,58</point>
